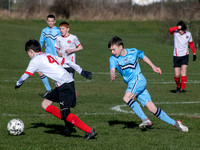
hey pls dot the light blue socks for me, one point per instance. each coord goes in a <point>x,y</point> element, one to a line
<point>164,117</point>
<point>137,109</point>
<point>45,82</point>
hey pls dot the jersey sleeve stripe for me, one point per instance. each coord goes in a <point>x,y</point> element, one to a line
<point>78,45</point>
<point>57,48</point>
<point>191,44</point>
<point>63,60</point>
<point>176,51</point>
<point>29,73</point>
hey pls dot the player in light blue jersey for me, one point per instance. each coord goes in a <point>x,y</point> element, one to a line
<point>49,36</point>
<point>126,62</point>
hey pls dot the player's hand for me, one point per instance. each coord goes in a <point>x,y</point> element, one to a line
<point>86,74</point>
<point>194,57</point>
<point>113,78</point>
<point>60,54</point>
<point>157,70</point>
<point>68,51</point>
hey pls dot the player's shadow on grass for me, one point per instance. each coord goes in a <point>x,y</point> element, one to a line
<point>52,128</point>
<point>174,91</point>
<point>126,124</point>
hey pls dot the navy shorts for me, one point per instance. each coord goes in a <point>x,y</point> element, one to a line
<point>179,61</point>
<point>65,95</point>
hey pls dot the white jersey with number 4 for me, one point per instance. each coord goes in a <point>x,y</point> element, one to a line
<point>64,43</point>
<point>52,67</point>
<point>181,43</point>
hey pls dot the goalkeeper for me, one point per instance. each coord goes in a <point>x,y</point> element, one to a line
<point>64,93</point>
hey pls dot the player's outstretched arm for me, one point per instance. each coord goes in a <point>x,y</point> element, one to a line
<point>112,74</point>
<point>77,68</point>
<point>21,80</point>
<point>155,69</point>
<point>62,61</point>
<point>86,74</point>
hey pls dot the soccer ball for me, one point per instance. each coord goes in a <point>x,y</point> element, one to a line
<point>15,126</point>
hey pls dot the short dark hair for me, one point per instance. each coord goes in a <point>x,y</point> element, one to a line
<point>182,24</point>
<point>51,16</point>
<point>115,41</point>
<point>32,44</point>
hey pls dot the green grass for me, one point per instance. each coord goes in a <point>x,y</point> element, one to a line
<point>116,130</point>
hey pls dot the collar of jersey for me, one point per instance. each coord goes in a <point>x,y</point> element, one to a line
<point>66,36</point>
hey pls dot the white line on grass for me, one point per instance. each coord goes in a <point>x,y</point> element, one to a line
<point>117,108</point>
<point>90,114</point>
<point>95,81</point>
<point>47,114</point>
<point>107,73</point>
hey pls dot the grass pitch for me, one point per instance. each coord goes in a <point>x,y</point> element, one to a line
<point>96,98</point>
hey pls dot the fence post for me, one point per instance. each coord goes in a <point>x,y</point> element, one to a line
<point>9,7</point>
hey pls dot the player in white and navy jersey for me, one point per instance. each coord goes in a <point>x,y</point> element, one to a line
<point>67,45</point>
<point>182,38</point>
<point>126,63</point>
<point>49,36</point>
<point>64,93</point>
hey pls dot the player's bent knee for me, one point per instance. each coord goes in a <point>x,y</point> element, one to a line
<point>177,75</point>
<point>45,103</point>
<point>40,74</point>
<point>126,99</point>
<point>64,113</point>
<point>128,95</point>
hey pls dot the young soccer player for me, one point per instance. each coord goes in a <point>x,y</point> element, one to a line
<point>126,62</point>
<point>64,93</point>
<point>67,45</point>
<point>49,36</point>
<point>182,38</point>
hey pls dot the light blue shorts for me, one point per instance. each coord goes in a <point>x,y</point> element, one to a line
<point>138,86</point>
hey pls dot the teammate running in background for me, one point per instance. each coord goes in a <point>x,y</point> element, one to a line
<point>67,45</point>
<point>64,93</point>
<point>49,36</point>
<point>126,62</point>
<point>182,38</point>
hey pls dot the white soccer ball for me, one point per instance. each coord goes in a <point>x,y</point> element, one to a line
<point>15,126</point>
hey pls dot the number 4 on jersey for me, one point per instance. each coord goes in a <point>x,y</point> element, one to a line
<point>51,59</point>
